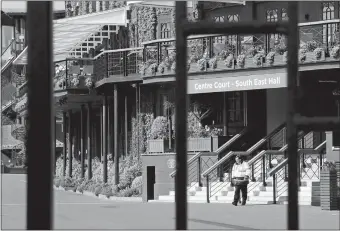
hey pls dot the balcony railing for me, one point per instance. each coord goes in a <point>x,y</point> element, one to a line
<point>120,62</point>
<point>319,42</point>
<point>74,74</point>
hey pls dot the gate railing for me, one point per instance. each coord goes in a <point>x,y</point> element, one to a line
<point>204,160</point>
<point>278,172</point>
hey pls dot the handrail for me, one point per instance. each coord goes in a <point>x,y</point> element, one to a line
<point>218,151</point>
<point>214,35</point>
<point>285,161</point>
<point>10,45</point>
<point>247,152</point>
<point>263,152</point>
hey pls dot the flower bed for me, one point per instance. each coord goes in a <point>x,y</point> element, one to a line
<point>130,184</point>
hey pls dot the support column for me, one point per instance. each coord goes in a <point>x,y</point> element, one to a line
<point>55,146</point>
<point>115,134</point>
<point>82,141</point>
<point>70,143</point>
<point>126,125</point>
<point>89,143</point>
<point>101,134</point>
<point>104,154</point>
<point>137,116</point>
<point>108,127</point>
<point>225,114</point>
<point>64,144</point>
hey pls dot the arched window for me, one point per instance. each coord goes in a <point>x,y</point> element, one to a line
<point>165,30</point>
<point>328,10</point>
<point>272,16</point>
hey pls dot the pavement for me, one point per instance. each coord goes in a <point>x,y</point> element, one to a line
<point>75,211</point>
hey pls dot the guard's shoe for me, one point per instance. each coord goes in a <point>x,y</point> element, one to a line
<point>243,203</point>
<point>234,203</point>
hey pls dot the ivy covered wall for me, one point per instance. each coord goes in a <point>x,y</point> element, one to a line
<point>144,22</point>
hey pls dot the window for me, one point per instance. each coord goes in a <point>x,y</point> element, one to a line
<point>165,30</point>
<point>220,39</point>
<point>329,35</point>
<point>236,107</point>
<point>328,10</point>
<point>284,15</point>
<point>230,39</point>
<point>272,16</point>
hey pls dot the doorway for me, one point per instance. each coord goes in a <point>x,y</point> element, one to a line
<point>151,180</point>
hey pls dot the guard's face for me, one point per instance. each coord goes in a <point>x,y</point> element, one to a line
<point>238,160</point>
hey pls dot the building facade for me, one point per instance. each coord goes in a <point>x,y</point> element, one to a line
<point>115,91</point>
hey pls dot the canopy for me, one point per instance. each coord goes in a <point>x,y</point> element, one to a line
<point>69,32</point>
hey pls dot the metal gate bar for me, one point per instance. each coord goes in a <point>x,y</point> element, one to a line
<point>40,148</point>
<point>185,29</point>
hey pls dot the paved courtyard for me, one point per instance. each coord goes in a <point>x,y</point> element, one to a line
<point>74,211</point>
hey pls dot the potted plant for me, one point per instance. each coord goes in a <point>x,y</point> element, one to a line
<point>328,187</point>
<point>270,58</point>
<point>89,82</point>
<point>229,60</point>
<point>335,52</point>
<point>302,55</point>
<point>153,69</point>
<point>158,135</point>
<point>318,53</point>
<point>213,63</point>
<point>62,82</point>
<point>258,59</point>
<point>284,56</point>
<point>203,63</point>
<point>241,60</point>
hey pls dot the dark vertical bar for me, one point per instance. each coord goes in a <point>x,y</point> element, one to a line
<point>225,114</point>
<point>115,133</point>
<point>126,125</point>
<point>40,148</point>
<point>104,154</point>
<point>70,136</point>
<point>199,171</point>
<point>264,171</point>
<point>82,141</point>
<point>101,134</point>
<point>137,118</point>
<point>293,157</point>
<point>55,147</point>
<point>89,141</point>
<point>274,188</point>
<point>181,118</point>
<point>64,144</point>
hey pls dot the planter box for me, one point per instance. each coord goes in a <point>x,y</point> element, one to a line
<point>160,146</point>
<point>329,197</point>
<point>208,144</point>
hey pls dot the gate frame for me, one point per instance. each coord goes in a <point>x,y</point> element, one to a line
<point>185,29</point>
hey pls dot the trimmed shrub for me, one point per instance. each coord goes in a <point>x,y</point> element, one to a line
<point>159,128</point>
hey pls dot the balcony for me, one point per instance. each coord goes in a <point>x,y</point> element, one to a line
<point>319,43</point>
<point>74,75</point>
<point>118,65</point>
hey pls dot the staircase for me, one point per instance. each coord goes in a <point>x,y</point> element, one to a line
<point>269,171</point>
<point>258,195</point>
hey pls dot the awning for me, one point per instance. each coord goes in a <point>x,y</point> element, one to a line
<point>69,32</point>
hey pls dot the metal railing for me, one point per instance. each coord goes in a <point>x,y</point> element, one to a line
<point>213,178</point>
<point>73,73</point>
<point>278,175</point>
<point>319,41</point>
<point>198,163</point>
